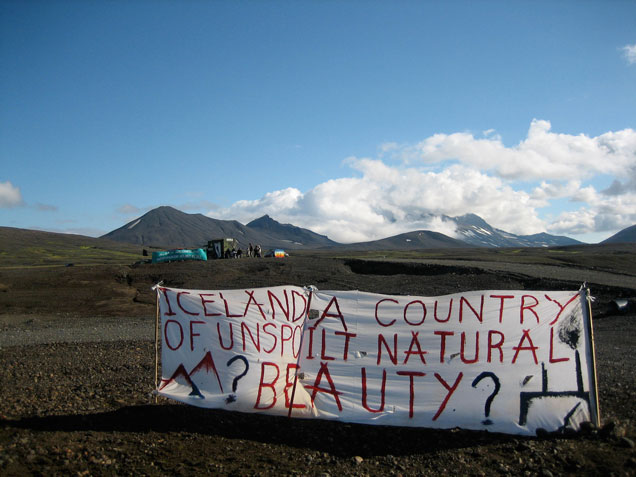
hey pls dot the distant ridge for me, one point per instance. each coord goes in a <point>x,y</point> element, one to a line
<point>168,227</point>
<point>627,235</point>
<point>472,231</point>
<point>476,231</point>
<point>419,239</point>
<point>289,234</point>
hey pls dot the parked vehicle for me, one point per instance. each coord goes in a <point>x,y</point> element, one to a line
<point>222,248</point>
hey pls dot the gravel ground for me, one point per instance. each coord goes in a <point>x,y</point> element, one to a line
<point>75,397</point>
<point>572,274</point>
<point>28,330</point>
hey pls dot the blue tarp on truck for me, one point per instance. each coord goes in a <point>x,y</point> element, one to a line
<point>179,255</point>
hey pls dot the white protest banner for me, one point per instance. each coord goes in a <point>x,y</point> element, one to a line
<point>219,347</point>
<point>503,361</point>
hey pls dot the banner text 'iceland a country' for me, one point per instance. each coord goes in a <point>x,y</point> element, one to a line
<point>505,361</point>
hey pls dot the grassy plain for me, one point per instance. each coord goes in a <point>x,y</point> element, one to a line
<point>21,248</point>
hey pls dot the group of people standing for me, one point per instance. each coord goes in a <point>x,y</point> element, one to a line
<point>254,251</point>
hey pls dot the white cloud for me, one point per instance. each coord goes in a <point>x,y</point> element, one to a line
<point>129,209</point>
<point>629,52</point>
<point>555,190</point>
<point>10,196</point>
<point>575,223</point>
<point>484,177</point>
<point>626,184</point>
<point>272,203</point>
<point>543,155</point>
<point>387,200</point>
<point>600,213</point>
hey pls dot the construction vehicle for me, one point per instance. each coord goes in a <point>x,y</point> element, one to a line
<point>222,248</point>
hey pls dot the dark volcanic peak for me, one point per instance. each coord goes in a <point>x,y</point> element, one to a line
<point>627,235</point>
<point>264,222</point>
<point>170,228</point>
<point>289,233</point>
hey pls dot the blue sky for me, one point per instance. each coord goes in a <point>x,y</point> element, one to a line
<point>355,119</point>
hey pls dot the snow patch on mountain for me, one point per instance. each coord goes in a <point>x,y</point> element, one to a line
<point>133,224</point>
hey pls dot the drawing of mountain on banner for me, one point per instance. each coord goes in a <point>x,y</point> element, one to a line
<point>181,378</point>
<point>204,368</point>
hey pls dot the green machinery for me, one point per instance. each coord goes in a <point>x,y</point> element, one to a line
<point>222,248</point>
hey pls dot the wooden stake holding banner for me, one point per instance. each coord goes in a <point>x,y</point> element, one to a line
<point>156,289</point>
<point>300,350</point>
<point>590,329</point>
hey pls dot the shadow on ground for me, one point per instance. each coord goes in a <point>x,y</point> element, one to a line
<point>338,439</point>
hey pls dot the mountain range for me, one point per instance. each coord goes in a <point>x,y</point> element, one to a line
<point>476,231</point>
<point>170,228</point>
<point>167,227</point>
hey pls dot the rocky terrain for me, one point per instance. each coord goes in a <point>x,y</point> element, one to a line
<point>77,372</point>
